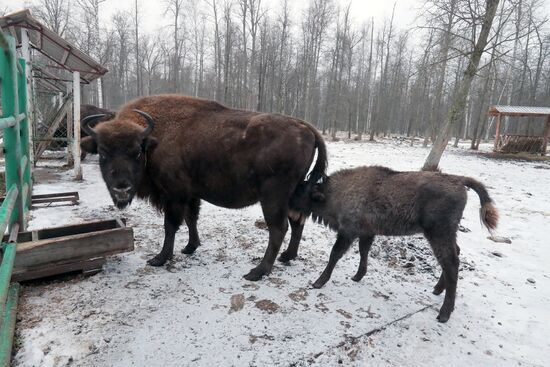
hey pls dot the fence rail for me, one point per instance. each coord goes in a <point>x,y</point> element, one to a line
<point>15,208</point>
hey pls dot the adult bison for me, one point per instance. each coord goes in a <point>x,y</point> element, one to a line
<point>176,151</point>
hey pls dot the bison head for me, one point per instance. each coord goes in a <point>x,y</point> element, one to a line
<point>123,146</point>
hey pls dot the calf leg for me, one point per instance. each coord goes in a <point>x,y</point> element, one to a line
<point>296,229</point>
<point>440,286</point>
<point>364,246</point>
<point>173,217</point>
<point>191,217</point>
<point>340,247</point>
<point>275,214</point>
<point>446,252</point>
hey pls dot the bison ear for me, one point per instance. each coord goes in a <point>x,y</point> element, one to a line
<point>149,144</point>
<point>89,145</point>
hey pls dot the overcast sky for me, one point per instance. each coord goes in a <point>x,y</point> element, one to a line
<point>152,11</point>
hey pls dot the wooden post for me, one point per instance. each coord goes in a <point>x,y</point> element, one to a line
<point>545,136</point>
<point>70,124</point>
<point>497,133</point>
<point>25,52</point>
<point>76,122</point>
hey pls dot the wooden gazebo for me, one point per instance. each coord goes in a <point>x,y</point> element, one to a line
<point>520,111</point>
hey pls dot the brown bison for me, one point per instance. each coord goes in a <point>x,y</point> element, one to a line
<point>176,151</point>
<point>369,201</point>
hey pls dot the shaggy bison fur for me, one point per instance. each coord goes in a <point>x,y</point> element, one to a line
<point>175,151</point>
<point>369,201</point>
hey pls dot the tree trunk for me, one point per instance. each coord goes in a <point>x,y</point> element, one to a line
<point>459,100</point>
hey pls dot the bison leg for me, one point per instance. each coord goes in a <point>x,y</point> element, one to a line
<point>191,217</point>
<point>364,246</point>
<point>173,217</point>
<point>446,251</point>
<point>296,229</point>
<point>340,247</point>
<point>276,219</point>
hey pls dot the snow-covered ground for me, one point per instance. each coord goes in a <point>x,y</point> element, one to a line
<point>199,310</point>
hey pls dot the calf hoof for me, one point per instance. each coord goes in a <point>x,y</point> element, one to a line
<point>255,274</point>
<point>444,315</point>
<point>189,249</point>
<point>158,260</point>
<point>357,277</point>
<point>438,290</point>
<point>287,256</point>
<point>318,284</point>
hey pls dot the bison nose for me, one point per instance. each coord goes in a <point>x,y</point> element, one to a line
<point>122,190</point>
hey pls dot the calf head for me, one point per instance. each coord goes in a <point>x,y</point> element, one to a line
<point>307,197</point>
<point>123,146</point>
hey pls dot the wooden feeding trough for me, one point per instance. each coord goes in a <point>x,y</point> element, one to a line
<point>514,143</point>
<point>74,248</point>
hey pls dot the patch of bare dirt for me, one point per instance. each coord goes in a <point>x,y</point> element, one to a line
<point>267,306</point>
<point>237,302</point>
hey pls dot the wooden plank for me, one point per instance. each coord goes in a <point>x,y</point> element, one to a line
<point>57,194</point>
<point>79,247</point>
<point>72,200</point>
<point>497,133</point>
<point>71,229</point>
<point>545,136</point>
<point>80,228</point>
<point>88,267</point>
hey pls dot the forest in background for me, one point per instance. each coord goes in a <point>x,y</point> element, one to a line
<point>319,64</point>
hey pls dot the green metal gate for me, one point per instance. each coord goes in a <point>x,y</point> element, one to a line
<point>14,211</point>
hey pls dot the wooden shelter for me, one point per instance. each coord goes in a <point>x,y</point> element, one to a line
<point>61,71</point>
<point>520,111</point>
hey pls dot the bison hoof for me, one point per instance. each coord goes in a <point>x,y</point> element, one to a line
<point>158,260</point>
<point>255,274</point>
<point>286,257</point>
<point>189,249</point>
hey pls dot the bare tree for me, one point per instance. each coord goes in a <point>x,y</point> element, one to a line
<point>459,100</point>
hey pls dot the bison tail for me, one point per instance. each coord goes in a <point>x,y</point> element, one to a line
<point>488,213</point>
<point>320,168</point>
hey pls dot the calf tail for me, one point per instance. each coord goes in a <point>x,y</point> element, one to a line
<point>488,213</point>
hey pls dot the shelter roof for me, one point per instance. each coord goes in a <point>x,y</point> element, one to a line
<point>53,46</point>
<point>519,111</point>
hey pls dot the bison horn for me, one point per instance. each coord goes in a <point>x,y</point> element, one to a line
<point>150,122</point>
<point>85,124</point>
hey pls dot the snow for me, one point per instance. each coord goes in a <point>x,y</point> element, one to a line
<point>198,310</point>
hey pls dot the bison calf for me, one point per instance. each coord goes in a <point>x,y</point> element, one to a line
<point>368,201</point>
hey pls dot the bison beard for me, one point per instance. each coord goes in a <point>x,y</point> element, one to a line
<point>176,151</point>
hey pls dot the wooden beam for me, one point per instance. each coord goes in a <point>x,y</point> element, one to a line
<point>545,136</point>
<point>59,250</point>
<point>76,126</point>
<point>497,133</point>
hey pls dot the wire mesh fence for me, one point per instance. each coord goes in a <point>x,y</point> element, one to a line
<point>53,134</point>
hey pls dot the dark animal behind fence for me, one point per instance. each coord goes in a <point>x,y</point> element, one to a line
<point>176,151</point>
<point>368,201</point>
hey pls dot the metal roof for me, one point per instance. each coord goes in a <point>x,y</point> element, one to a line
<point>519,110</point>
<point>51,45</point>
